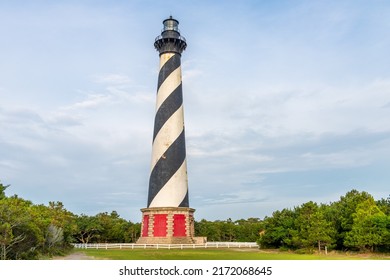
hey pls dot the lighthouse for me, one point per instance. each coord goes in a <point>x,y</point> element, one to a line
<point>168,219</point>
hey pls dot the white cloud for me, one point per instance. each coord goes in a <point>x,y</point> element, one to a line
<point>112,78</point>
<point>92,101</point>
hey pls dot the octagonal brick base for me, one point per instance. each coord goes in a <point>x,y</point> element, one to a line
<point>168,225</point>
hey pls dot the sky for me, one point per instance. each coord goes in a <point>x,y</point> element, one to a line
<point>285,102</point>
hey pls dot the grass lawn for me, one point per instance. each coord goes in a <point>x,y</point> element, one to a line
<point>220,254</point>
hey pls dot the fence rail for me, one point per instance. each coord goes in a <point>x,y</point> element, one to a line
<point>165,246</point>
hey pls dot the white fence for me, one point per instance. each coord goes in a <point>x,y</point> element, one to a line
<point>165,246</point>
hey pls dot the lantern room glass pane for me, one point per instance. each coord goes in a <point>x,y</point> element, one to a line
<point>171,24</point>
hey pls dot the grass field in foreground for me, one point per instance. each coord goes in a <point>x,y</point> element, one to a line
<point>220,254</point>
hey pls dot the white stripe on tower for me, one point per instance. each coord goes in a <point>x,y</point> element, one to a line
<point>174,191</point>
<point>168,86</point>
<point>168,186</point>
<point>167,134</point>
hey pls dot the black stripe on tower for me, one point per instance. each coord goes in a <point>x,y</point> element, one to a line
<point>171,65</point>
<point>185,202</point>
<point>166,167</point>
<point>167,109</point>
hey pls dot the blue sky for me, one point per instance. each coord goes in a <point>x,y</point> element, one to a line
<point>285,102</point>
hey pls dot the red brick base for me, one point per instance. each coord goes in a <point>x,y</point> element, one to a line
<point>167,225</point>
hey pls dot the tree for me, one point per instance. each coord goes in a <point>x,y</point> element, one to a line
<point>383,225</point>
<point>114,228</point>
<point>87,228</point>
<point>228,230</point>
<point>369,227</point>
<point>384,205</point>
<point>278,230</point>
<point>2,190</point>
<point>341,213</point>
<point>133,232</point>
<point>312,227</point>
<point>55,224</point>
<point>248,230</point>
<point>14,216</point>
<point>212,230</point>
<point>61,227</point>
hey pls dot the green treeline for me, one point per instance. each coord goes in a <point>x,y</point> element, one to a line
<point>230,231</point>
<point>29,231</point>
<point>355,222</point>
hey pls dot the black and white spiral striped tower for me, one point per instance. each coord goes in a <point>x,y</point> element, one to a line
<point>168,179</point>
<point>168,218</point>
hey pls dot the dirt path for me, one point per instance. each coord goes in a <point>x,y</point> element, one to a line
<point>75,256</point>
